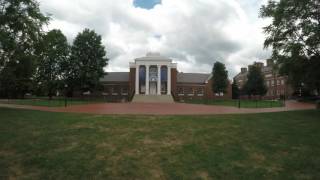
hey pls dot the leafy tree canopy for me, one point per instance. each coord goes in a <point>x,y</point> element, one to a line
<point>88,59</point>
<point>294,36</point>
<point>54,53</point>
<point>235,90</point>
<point>295,27</point>
<point>219,78</point>
<point>255,82</point>
<point>20,29</point>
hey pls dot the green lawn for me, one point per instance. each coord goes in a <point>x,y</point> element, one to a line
<point>243,103</point>
<point>48,103</point>
<point>47,145</point>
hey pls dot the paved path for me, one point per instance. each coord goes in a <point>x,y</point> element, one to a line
<point>162,108</point>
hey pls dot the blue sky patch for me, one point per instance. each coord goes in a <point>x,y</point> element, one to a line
<point>146,4</point>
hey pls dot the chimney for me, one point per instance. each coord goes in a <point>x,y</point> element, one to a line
<point>258,64</point>
<point>244,70</point>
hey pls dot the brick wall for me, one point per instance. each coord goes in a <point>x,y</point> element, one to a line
<point>174,73</point>
<point>211,95</point>
<point>188,91</point>
<point>132,80</point>
<point>116,91</point>
<point>276,85</point>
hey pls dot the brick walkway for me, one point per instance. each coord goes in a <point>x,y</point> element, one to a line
<point>162,108</point>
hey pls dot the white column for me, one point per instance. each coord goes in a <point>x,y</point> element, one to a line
<point>169,80</point>
<point>137,79</point>
<point>159,80</point>
<point>147,79</point>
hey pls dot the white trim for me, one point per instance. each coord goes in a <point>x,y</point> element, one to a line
<point>147,79</point>
<point>169,81</point>
<point>153,59</point>
<point>159,80</point>
<point>137,79</point>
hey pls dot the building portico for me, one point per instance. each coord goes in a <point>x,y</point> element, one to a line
<point>155,78</point>
<point>153,74</point>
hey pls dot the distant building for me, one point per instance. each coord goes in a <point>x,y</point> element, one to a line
<point>277,85</point>
<point>155,75</point>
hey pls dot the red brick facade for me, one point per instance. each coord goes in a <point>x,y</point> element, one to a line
<point>180,90</point>
<point>189,91</point>
<point>277,85</point>
<point>132,80</point>
<point>174,73</point>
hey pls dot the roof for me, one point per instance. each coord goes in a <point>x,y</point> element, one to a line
<point>266,69</point>
<point>115,77</point>
<point>181,77</point>
<point>241,75</point>
<point>192,77</point>
<point>153,57</point>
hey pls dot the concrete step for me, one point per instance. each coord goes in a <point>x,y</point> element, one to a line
<point>153,98</point>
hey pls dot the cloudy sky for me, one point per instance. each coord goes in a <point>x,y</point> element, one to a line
<point>194,33</point>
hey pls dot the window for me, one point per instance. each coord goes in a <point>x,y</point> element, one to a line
<point>268,75</point>
<point>124,91</point>
<point>200,91</point>
<point>282,81</point>
<point>189,91</point>
<point>115,91</point>
<point>272,82</point>
<point>278,82</point>
<point>268,83</point>
<point>180,91</point>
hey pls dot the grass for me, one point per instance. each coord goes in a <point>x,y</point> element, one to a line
<point>243,103</point>
<point>47,145</point>
<point>47,102</point>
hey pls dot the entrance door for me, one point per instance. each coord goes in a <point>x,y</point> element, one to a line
<point>153,88</point>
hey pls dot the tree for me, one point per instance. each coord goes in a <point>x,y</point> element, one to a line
<point>87,61</point>
<point>294,36</point>
<point>20,29</point>
<point>219,78</point>
<point>54,52</point>
<point>255,82</point>
<point>235,90</point>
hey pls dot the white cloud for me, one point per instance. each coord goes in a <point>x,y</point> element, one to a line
<point>195,33</point>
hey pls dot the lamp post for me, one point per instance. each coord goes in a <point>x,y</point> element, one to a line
<point>65,95</point>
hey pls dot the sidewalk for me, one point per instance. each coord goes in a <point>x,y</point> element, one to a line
<point>162,108</point>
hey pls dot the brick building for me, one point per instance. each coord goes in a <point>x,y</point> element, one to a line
<point>157,76</point>
<point>277,85</point>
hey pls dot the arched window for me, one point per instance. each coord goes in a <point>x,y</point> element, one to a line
<point>142,74</point>
<point>142,79</point>
<point>164,73</point>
